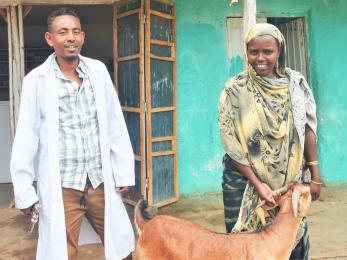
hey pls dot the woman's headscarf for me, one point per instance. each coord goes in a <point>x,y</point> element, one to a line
<point>269,29</point>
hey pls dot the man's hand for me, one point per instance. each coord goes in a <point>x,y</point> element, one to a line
<point>29,210</point>
<point>122,189</point>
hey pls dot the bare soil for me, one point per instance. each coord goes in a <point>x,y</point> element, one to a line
<point>327,218</point>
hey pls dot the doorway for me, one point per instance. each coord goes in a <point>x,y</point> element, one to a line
<point>5,129</point>
<point>293,30</point>
<point>96,21</point>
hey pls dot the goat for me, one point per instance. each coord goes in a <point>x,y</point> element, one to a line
<point>170,238</point>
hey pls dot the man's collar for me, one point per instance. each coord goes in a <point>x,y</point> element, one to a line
<point>81,69</point>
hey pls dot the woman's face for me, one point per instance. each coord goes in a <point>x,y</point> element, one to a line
<point>262,54</point>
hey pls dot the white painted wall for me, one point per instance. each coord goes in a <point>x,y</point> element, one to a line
<point>5,142</point>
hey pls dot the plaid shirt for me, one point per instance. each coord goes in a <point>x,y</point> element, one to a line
<point>79,146</point>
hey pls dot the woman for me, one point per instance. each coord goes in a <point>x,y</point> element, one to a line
<point>267,120</point>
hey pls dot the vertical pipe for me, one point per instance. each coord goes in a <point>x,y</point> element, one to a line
<point>249,18</point>
<point>249,14</point>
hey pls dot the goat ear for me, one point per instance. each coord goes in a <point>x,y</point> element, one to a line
<point>295,201</point>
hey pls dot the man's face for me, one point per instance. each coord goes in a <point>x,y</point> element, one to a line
<point>66,37</point>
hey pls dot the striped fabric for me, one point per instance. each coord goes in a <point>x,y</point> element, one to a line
<point>79,147</point>
<point>234,184</point>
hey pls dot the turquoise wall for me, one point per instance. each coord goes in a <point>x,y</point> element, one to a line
<point>203,67</point>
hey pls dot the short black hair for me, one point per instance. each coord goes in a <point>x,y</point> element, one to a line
<point>59,12</point>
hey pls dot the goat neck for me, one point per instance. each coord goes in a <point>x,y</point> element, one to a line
<point>281,234</point>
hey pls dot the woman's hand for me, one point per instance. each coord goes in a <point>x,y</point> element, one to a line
<point>267,194</point>
<point>315,190</point>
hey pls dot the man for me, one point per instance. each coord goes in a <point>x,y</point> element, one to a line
<point>71,121</point>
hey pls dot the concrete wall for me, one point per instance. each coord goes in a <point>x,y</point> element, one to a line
<point>203,67</point>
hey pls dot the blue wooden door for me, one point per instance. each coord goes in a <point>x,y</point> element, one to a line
<point>161,132</point>
<point>145,77</point>
<point>129,82</point>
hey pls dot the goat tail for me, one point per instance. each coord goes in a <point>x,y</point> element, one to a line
<point>142,213</point>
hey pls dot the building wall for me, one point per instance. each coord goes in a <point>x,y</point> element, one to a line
<point>203,67</point>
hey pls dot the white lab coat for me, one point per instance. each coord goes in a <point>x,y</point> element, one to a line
<point>37,135</point>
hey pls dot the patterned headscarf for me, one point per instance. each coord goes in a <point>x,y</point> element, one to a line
<point>269,29</point>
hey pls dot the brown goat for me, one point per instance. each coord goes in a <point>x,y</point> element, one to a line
<point>170,238</point>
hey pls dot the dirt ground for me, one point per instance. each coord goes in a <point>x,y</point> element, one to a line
<point>327,218</point>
